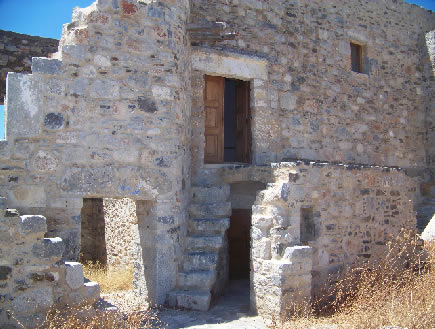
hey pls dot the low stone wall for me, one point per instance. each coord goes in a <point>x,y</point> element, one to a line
<point>32,276</point>
<point>16,52</point>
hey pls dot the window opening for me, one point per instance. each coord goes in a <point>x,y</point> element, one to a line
<point>308,228</point>
<point>356,57</point>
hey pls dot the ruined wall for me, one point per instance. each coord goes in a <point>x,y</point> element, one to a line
<point>16,52</point>
<point>32,276</point>
<point>107,118</point>
<point>315,106</point>
<point>346,213</point>
<point>313,219</point>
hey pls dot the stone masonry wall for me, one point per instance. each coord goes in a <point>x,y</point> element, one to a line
<point>16,52</point>
<point>315,106</point>
<point>430,100</point>
<point>32,276</point>
<point>107,118</point>
<point>314,219</point>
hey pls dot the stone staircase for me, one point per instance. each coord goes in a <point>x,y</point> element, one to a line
<point>204,270</point>
<point>426,209</point>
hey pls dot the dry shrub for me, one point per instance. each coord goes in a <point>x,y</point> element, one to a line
<point>397,289</point>
<point>109,278</point>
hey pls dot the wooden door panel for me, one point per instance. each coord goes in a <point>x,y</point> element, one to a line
<point>243,129</point>
<point>211,118</point>
<point>214,119</point>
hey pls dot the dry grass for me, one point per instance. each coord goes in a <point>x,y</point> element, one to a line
<point>88,318</point>
<point>397,290</point>
<point>110,279</point>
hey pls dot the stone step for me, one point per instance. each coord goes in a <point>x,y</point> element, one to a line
<point>426,210</point>
<point>203,194</point>
<point>204,243</point>
<point>191,300</point>
<point>210,210</point>
<point>196,280</point>
<point>428,201</point>
<point>91,291</point>
<point>206,226</point>
<point>200,261</point>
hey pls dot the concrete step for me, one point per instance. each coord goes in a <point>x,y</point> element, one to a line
<point>210,210</point>
<point>191,300</point>
<point>200,261</point>
<point>196,280</point>
<point>206,226</point>
<point>203,194</point>
<point>204,243</point>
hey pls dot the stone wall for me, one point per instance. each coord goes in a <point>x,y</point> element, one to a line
<point>314,219</point>
<point>32,277</point>
<point>315,107</point>
<point>16,52</point>
<point>108,117</point>
<point>430,101</point>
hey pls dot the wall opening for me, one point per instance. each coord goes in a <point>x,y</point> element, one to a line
<point>356,56</point>
<point>242,197</point>
<point>227,120</point>
<point>93,236</point>
<point>109,231</point>
<point>307,226</point>
<point>239,239</point>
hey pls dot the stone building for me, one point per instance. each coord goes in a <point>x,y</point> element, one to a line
<point>277,141</point>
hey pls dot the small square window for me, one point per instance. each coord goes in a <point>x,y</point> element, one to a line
<point>356,57</point>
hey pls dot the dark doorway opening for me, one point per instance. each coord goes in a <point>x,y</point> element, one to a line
<point>93,235</point>
<point>239,240</point>
<point>227,120</point>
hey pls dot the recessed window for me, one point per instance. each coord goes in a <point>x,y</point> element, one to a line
<point>356,57</point>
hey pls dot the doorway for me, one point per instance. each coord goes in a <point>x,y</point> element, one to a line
<point>239,240</point>
<point>227,120</point>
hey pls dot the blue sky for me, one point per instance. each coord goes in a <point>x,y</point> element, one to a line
<point>45,18</point>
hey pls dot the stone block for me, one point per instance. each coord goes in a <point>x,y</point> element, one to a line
<point>105,89</point>
<point>288,101</point>
<point>91,292</point>
<point>74,275</point>
<point>24,105</point>
<point>211,210</point>
<point>27,196</point>
<point>298,253</point>
<point>3,203</point>
<point>46,65</point>
<point>49,248</point>
<point>33,301</point>
<point>54,121</point>
<point>30,224</point>
<point>192,300</point>
<point>5,271</point>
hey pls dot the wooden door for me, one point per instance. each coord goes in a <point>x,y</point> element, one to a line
<point>243,127</point>
<point>214,119</point>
